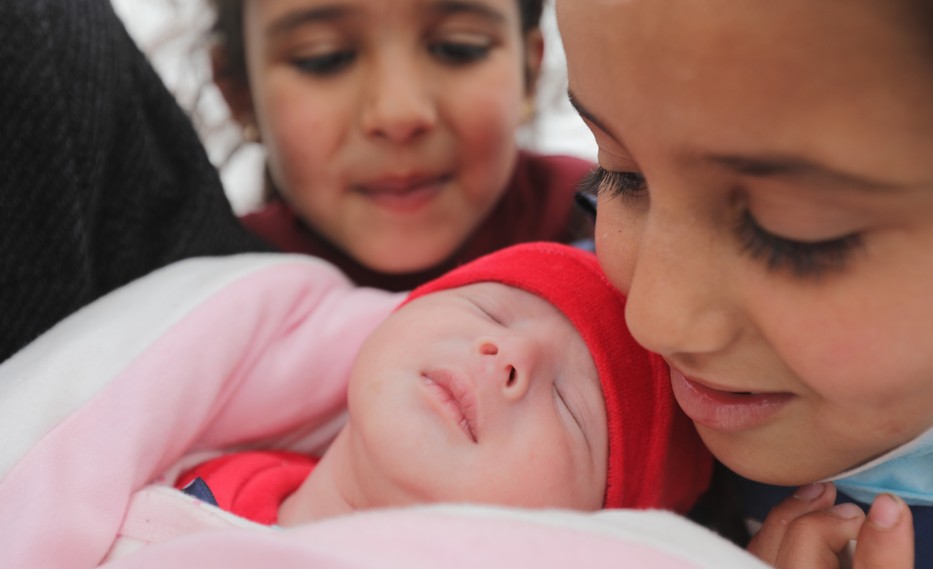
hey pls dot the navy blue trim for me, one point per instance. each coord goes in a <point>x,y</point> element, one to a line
<point>200,490</point>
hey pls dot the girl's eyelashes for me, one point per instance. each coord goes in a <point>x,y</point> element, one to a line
<point>803,259</point>
<point>459,53</point>
<point>602,182</point>
<point>325,64</point>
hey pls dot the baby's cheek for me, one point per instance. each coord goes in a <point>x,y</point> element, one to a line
<point>573,477</point>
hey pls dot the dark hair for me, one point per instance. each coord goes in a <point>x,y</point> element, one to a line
<point>228,27</point>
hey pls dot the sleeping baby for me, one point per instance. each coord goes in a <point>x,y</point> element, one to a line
<point>511,380</point>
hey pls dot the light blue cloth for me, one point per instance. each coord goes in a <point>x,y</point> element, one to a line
<point>906,471</point>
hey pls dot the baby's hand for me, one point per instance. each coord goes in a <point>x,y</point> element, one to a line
<point>806,531</point>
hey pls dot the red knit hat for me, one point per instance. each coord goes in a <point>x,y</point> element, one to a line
<point>656,459</point>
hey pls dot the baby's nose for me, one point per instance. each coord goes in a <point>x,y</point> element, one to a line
<point>511,364</point>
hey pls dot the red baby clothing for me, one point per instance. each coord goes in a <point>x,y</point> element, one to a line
<point>249,484</point>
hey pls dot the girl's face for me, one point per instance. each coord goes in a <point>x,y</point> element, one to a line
<point>768,208</point>
<point>389,126</point>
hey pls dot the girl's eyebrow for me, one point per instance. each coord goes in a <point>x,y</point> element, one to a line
<point>297,18</point>
<point>450,7</point>
<point>796,168</point>
<point>789,167</point>
<point>329,13</point>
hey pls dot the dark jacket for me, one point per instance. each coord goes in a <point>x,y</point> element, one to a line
<point>102,177</point>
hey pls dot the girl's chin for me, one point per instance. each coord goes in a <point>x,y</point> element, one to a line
<point>418,258</point>
<point>764,462</point>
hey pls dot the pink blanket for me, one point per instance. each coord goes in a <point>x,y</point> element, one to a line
<point>217,354</point>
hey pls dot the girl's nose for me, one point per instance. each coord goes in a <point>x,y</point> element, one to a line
<point>510,364</point>
<point>399,105</point>
<point>678,304</point>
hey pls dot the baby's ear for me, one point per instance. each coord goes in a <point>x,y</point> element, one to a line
<point>233,85</point>
<point>534,55</point>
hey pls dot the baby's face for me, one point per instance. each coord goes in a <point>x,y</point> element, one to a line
<point>483,393</point>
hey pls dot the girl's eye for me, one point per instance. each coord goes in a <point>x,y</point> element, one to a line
<point>604,182</point>
<point>803,259</point>
<point>459,53</point>
<point>325,64</point>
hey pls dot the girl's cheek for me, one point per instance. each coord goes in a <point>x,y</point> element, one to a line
<point>496,100</point>
<point>833,352</point>
<point>615,247</point>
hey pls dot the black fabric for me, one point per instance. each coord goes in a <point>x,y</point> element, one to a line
<point>102,177</point>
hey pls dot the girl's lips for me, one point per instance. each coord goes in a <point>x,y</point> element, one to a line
<point>403,195</point>
<point>724,410</point>
<point>456,399</point>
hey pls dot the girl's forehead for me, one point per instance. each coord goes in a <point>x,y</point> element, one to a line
<point>285,18</point>
<point>723,75</point>
<point>791,28</point>
<point>833,36</point>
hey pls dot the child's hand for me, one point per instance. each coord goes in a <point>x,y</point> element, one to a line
<point>807,531</point>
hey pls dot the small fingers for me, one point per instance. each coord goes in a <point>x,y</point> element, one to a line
<point>767,542</point>
<point>886,540</point>
<point>818,539</point>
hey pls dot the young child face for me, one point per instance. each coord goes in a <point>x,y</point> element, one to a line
<point>483,393</point>
<point>389,126</point>
<point>779,254</point>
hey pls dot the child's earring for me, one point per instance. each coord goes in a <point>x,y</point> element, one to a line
<point>251,133</point>
<point>529,110</point>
